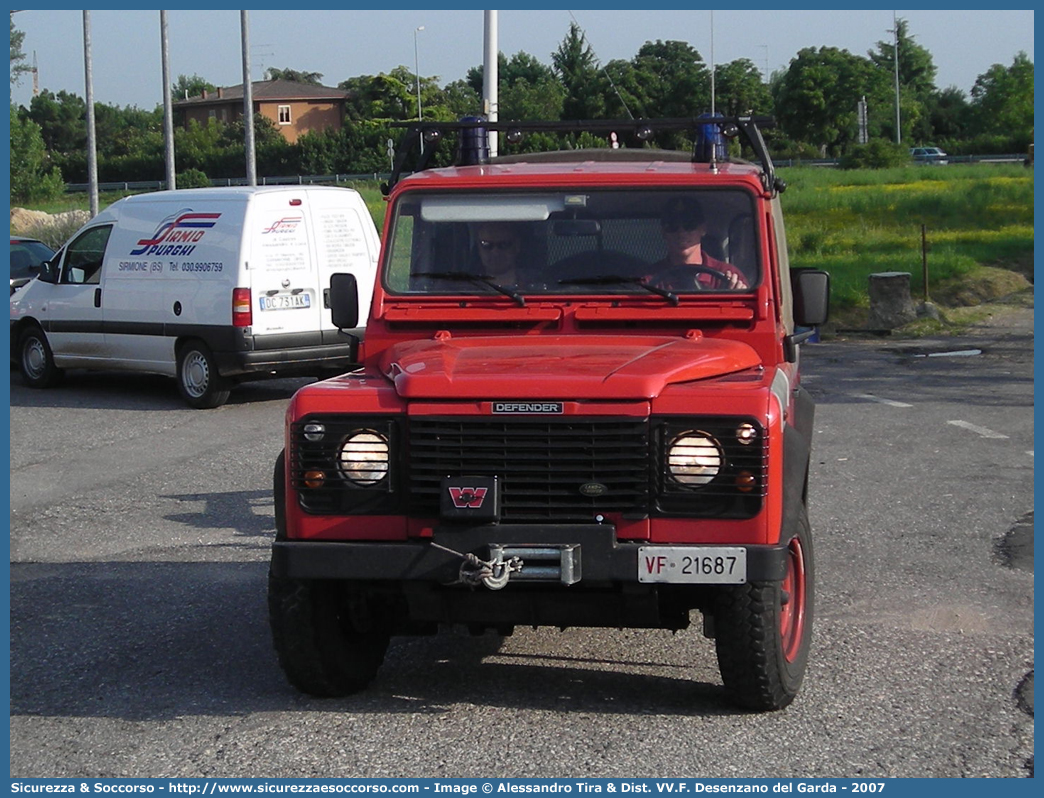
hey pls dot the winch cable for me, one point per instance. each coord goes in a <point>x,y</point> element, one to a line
<point>494,574</point>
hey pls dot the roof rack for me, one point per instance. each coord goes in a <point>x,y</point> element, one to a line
<point>708,132</point>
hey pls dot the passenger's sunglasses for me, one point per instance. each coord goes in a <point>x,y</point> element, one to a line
<point>503,246</point>
<point>673,227</point>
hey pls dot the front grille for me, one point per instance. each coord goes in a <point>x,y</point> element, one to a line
<point>542,464</point>
<point>549,469</point>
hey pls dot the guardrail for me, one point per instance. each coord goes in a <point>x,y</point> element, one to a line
<point>303,180</point>
<point>294,180</point>
<point>1005,158</point>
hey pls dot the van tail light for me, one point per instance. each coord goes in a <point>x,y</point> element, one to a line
<point>242,313</point>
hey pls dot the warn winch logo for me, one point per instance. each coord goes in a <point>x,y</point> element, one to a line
<point>468,498</point>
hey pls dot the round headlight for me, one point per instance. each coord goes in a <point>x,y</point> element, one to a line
<point>694,458</point>
<point>363,458</point>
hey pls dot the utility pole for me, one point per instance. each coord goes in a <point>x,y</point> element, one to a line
<point>712,62</point>
<point>92,146</point>
<point>248,102</point>
<point>895,57</point>
<point>491,76</point>
<point>168,108</point>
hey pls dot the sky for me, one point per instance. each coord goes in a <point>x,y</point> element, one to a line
<point>339,44</point>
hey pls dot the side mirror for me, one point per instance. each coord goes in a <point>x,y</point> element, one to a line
<point>344,301</point>
<point>49,271</point>
<point>811,288</point>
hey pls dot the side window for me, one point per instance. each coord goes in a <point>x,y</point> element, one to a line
<point>284,114</point>
<point>83,257</point>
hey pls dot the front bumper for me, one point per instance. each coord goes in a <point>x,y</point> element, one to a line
<point>600,558</point>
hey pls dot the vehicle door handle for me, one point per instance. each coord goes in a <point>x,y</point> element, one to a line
<point>97,297</point>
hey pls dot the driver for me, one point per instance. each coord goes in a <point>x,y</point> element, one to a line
<point>683,226</point>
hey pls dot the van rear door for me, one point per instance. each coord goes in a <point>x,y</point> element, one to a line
<point>346,240</point>
<point>286,296</point>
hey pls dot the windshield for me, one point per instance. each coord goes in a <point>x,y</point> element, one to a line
<point>615,241</point>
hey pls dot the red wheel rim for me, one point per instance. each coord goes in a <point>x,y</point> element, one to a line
<point>792,613</point>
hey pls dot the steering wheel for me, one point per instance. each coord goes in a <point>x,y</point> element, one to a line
<point>683,278</point>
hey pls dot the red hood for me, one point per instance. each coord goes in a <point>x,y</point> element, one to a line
<point>577,367</point>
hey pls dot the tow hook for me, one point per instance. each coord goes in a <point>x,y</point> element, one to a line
<point>494,573</point>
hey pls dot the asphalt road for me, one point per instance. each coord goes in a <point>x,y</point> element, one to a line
<point>139,640</point>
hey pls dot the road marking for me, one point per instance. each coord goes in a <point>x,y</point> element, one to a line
<point>958,353</point>
<point>879,400</point>
<point>983,431</point>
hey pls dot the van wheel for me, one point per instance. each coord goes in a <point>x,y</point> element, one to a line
<point>37,360</point>
<point>763,631</point>
<point>328,642</point>
<point>199,383</point>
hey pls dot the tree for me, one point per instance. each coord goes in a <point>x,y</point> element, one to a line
<point>62,120</point>
<point>626,99</point>
<point>948,114</point>
<point>381,96</point>
<point>739,90</point>
<point>816,99</point>
<point>522,100</point>
<point>461,99</point>
<point>194,86</point>
<point>526,89</point>
<point>32,175</point>
<point>17,56</point>
<point>1002,98</point>
<point>916,68</point>
<point>673,80</point>
<point>578,71</point>
<point>294,76</point>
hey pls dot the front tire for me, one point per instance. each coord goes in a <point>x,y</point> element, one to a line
<point>199,383</point>
<point>36,361</point>
<point>763,631</point>
<point>328,642</point>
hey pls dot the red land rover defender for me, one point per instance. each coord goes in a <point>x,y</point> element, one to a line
<point>580,405</point>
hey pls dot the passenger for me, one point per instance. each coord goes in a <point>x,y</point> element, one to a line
<point>687,264</point>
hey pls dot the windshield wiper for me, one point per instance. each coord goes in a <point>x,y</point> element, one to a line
<point>485,279</point>
<point>616,279</point>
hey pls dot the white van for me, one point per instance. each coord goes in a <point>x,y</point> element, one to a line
<point>211,286</point>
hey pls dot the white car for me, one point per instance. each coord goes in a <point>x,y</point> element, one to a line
<point>929,155</point>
